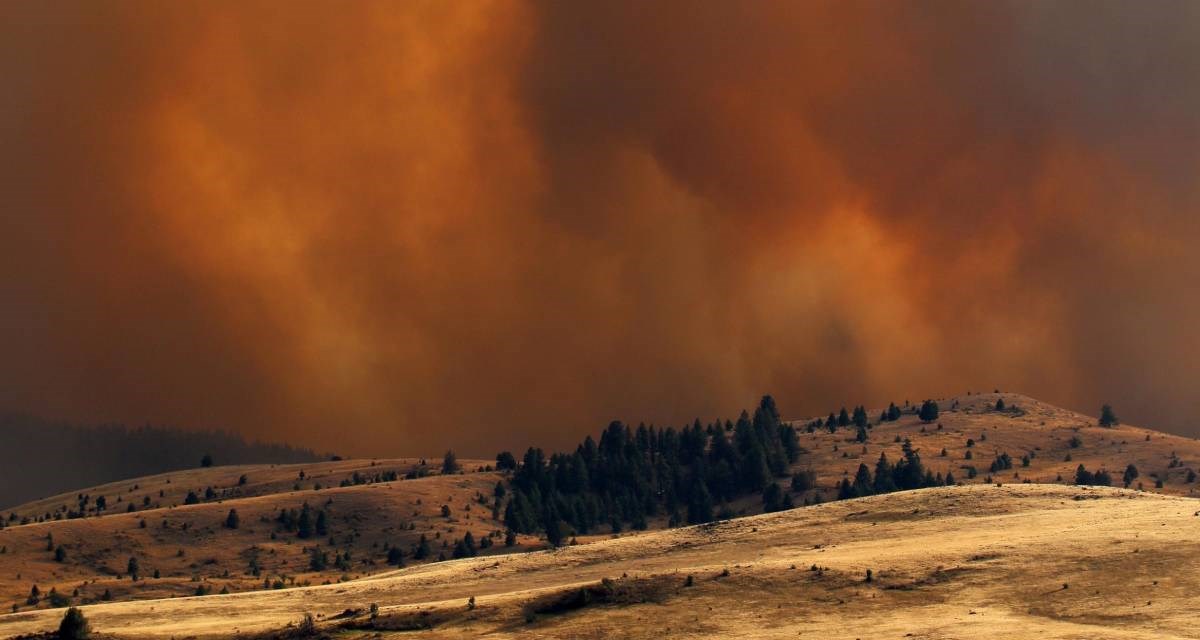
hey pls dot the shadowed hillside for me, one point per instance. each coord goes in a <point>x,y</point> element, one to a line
<point>40,458</point>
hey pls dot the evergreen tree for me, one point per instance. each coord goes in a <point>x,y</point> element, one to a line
<point>772,498</point>
<point>791,443</point>
<point>206,461</point>
<point>884,472</point>
<point>864,485</point>
<point>132,569</point>
<point>60,554</point>
<point>843,418</point>
<point>318,560</point>
<point>1000,404</point>
<point>505,461</point>
<point>322,525</point>
<point>860,419</point>
<point>1107,417</point>
<point>804,480</point>
<point>450,464</point>
<point>304,525</point>
<point>1083,476</point>
<point>700,506</point>
<point>893,412</point>
<point>845,490</point>
<point>232,520</point>
<point>423,549</point>
<point>1131,474</point>
<point>928,412</point>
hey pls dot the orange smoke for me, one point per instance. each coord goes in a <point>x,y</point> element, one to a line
<point>392,228</point>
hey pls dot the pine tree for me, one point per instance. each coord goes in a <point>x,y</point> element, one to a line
<point>304,526</point>
<point>318,560</point>
<point>1131,474</point>
<point>1107,417</point>
<point>700,506</point>
<point>884,471</point>
<point>928,412</point>
<point>845,490</point>
<point>864,485</point>
<point>1083,476</point>
<point>423,549</point>
<point>232,520</point>
<point>450,464</point>
<point>860,419</point>
<point>843,418</point>
<point>772,498</point>
<point>893,412</point>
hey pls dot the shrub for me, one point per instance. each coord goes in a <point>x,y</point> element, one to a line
<point>74,626</point>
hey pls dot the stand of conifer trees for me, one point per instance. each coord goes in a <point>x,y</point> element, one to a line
<point>635,474</point>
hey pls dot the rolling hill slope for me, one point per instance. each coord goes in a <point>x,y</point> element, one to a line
<point>956,562</point>
<point>367,512</point>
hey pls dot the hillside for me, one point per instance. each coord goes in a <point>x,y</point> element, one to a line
<point>83,456</point>
<point>369,507</point>
<point>957,562</point>
<point>190,546</point>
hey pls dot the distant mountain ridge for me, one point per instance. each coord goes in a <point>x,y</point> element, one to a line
<point>41,457</point>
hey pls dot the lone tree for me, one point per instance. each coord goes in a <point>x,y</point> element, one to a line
<point>232,520</point>
<point>450,463</point>
<point>929,411</point>
<point>207,460</point>
<point>1000,404</point>
<point>74,626</point>
<point>132,569</point>
<point>1107,417</point>
<point>1131,474</point>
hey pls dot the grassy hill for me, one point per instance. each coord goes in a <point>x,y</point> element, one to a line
<point>957,562</point>
<point>367,512</point>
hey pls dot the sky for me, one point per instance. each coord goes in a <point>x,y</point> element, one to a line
<point>396,227</point>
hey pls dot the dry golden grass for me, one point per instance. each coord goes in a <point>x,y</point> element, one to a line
<point>962,562</point>
<point>948,563</point>
<point>190,547</point>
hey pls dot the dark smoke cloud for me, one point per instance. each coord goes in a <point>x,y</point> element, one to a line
<point>384,228</point>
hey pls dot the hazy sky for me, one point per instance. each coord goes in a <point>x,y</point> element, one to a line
<point>395,227</point>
